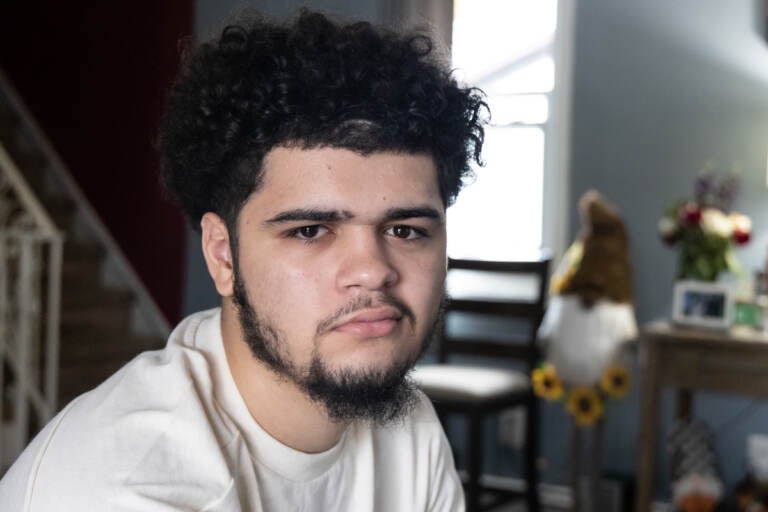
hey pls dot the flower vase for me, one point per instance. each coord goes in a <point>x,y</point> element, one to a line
<point>703,256</point>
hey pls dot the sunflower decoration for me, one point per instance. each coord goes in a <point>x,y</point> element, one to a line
<point>584,401</point>
<point>546,382</point>
<point>615,381</point>
<point>586,405</point>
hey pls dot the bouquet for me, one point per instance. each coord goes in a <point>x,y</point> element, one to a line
<point>705,229</point>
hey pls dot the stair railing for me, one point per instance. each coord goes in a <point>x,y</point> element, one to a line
<point>150,319</point>
<point>30,302</point>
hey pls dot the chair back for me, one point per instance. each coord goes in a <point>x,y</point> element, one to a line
<point>502,291</point>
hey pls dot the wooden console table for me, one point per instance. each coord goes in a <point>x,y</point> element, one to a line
<point>688,359</point>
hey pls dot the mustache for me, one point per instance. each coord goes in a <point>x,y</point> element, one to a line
<point>364,302</point>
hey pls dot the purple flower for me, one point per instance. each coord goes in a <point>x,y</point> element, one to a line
<point>727,191</point>
<point>703,185</point>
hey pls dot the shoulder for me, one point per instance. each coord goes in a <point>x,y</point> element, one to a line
<point>130,438</point>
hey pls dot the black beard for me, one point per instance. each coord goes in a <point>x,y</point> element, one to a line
<point>381,397</point>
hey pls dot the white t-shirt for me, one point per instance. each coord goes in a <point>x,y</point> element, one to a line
<point>170,432</point>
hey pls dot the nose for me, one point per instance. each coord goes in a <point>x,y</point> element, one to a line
<point>366,264</point>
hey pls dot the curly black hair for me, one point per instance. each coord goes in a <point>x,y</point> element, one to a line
<point>312,83</point>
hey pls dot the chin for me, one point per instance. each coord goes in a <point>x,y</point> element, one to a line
<point>373,355</point>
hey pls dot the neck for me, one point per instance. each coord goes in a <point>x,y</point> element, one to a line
<point>277,404</point>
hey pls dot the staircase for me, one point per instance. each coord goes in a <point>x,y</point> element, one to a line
<point>107,316</point>
<point>96,337</point>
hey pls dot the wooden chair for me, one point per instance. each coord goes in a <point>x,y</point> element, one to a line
<point>477,391</point>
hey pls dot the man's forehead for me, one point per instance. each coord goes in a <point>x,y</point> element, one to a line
<point>289,158</point>
<point>330,184</point>
<point>294,171</point>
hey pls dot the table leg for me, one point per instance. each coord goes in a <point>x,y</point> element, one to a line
<point>576,466</point>
<point>649,415</point>
<point>598,435</point>
<point>684,404</point>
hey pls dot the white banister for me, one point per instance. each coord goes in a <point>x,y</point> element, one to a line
<point>30,299</point>
<point>22,345</point>
<point>53,311</point>
<point>27,199</point>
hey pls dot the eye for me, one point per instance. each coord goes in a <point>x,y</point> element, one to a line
<point>404,232</point>
<point>309,233</point>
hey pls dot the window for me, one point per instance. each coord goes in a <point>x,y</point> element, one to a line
<point>511,50</point>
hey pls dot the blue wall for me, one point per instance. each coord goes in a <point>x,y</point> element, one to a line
<point>660,87</point>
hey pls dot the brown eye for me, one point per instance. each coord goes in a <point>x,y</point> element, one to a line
<point>405,232</point>
<point>402,231</point>
<point>309,233</point>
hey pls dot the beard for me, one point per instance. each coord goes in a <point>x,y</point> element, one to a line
<point>381,396</point>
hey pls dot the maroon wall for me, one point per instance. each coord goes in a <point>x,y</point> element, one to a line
<point>95,75</point>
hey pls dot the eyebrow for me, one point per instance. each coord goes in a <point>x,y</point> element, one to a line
<point>310,214</point>
<point>318,215</point>
<point>412,213</point>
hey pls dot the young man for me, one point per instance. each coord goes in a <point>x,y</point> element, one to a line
<point>318,161</point>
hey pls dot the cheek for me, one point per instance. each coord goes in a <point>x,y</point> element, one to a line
<point>285,291</point>
<point>426,283</point>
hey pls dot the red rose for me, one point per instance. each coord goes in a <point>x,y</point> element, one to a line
<point>690,213</point>
<point>741,237</point>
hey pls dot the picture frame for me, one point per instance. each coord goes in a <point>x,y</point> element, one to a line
<point>703,304</point>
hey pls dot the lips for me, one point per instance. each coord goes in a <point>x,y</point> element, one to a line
<point>370,323</point>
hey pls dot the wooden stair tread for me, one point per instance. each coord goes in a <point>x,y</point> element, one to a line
<point>61,210</point>
<point>79,250</point>
<point>94,297</point>
<point>78,349</point>
<point>9,126</point>
<point>80,275</point>
<point>109,321</point>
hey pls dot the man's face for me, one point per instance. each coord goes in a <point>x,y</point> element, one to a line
<point>339,273</point>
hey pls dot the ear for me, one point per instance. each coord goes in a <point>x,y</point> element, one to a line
<point>217,252</point>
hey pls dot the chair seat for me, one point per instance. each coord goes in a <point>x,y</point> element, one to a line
<point>458,382</point>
